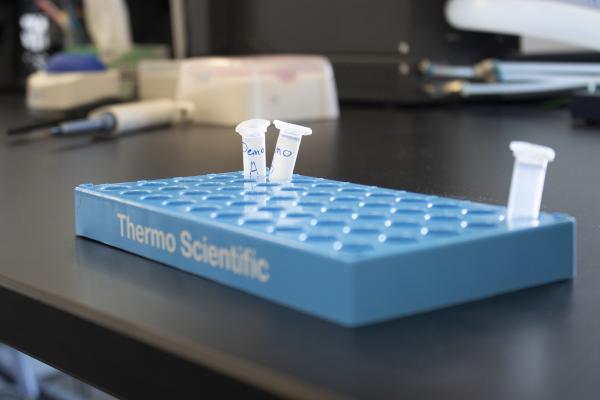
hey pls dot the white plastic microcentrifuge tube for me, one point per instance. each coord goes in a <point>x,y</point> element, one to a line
<point>253,146</point>
<point>527,182</point>
<point>286,150</point>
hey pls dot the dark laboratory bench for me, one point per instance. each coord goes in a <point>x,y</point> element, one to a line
<point>139,329</point>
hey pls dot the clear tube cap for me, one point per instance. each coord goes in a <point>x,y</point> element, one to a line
<point>530,153</point>
<point>252,127</point>
<point>292,129</point>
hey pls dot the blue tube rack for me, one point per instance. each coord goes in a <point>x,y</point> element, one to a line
<point>349,253</point>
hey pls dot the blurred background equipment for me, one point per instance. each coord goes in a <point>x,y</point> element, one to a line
<point>108,24</point>
<point>127,117</point>
<point>71,81</point>
<point>585,106</point>
<point>72,64</point>
<point>226,90</point>
<point>572,22</point>
<point>511,79</point>
<point>158,78</point>
<point>374,50</point>
<point>9,45</point>
<point>25,378</point>
<point>102,64</point>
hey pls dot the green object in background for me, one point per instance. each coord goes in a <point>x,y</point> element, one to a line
<point>139,53</point>
<point>127,64</point>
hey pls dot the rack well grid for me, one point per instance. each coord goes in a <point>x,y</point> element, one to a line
<point>347,252</point>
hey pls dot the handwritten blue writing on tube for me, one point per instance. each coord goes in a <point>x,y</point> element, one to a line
<point>284,152</point>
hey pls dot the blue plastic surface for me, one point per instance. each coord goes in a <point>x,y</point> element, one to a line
<point>74,62</point>
<point>349,253</point>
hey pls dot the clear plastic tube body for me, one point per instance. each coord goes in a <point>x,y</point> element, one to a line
<point>527,184</point>
<point>526,190</point>
<point>252,132</point>
<point>286,150</point>
<point>255,161</point>
<point>284,159</point>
